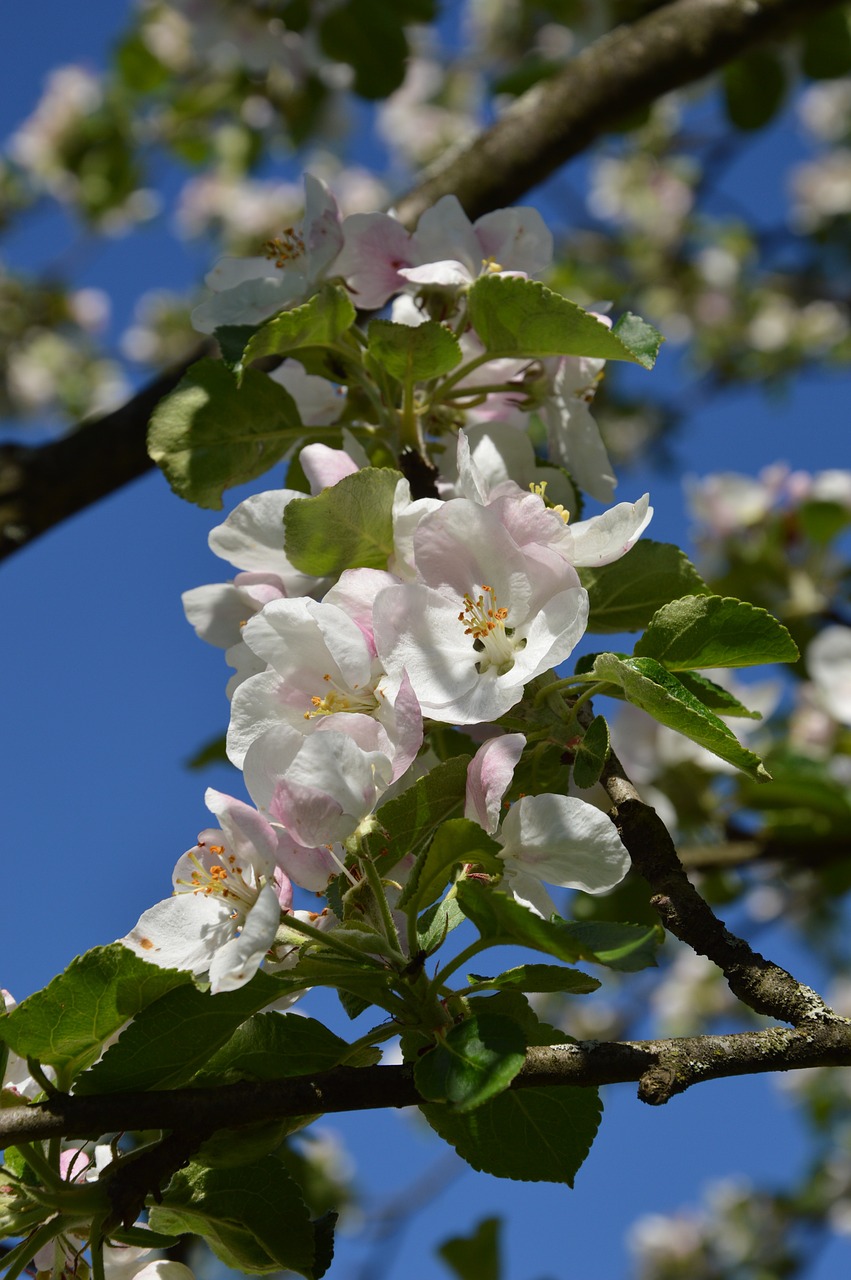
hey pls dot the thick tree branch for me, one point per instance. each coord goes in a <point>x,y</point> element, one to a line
<point>41,486</point>
<point>617,75</point>
<point>759,983</point>
<point>620,73</point>
<point>662,1068</point>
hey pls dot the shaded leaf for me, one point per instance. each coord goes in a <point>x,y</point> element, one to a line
<point>624,595</point>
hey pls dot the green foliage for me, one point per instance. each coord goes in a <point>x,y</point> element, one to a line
<point>624,595</point>
<point>533,1135</point>
<point>500,920</point>
<point>369,36</point>
<point>826,52</point>
<point>754,89</point>
<point>592,753</point>
<point>537,977</point>
<point>477,1256</point>
<point>515,317</point>
<point>318,322</point>
<point>648,685</point>
<point>477,1059</point>
<point>456,841</point>
<point>169,1041</point>
<point>65,1024</point>
<point>413,353</point>
<point>211,433</point>
<point>345,527</point>
<point>410,819</point>
<point>253,1218</point>
<point>714,631</point>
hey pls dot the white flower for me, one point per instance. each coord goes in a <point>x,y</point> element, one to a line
<point>829,665</point>
<point>250,290</point>
<point>559,840</point>
<point>227,902</point>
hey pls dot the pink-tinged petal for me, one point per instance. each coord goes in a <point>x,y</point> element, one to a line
<point>251,302</point>
<point>183,932</point>
<point>260,703</point>
<point>404,721</point>
<point>252,538</point>
<point>574,441</point>
<point>516,239</point>
<point>375,246</point>
<point>489,776</point>
<point>237,961</point>
<point>249,832</point>
<point>355,593</point>
<point>216,611</point>
<point>563,841</point>
<point>307,867</point>
<point>325,467</point>
<point>230,272</point>
<point>609,536</point>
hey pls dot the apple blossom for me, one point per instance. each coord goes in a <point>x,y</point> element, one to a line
<point>553,839</point>
<point>483,618</point>
<point>250,290</point>
<point>229,893</point>
<point>324,671</point>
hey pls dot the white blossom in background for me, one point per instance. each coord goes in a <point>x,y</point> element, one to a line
<point>71,94</point>
<point>821,190</point>
<point>829,665</point>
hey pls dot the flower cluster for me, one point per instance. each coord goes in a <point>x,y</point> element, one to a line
<point>339,678</point>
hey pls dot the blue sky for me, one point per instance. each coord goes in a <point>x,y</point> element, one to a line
<point>107,692</point>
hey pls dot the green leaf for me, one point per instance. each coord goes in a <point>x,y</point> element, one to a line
<point>437,922</point>
<point>368,35</point>
<point>625,947</point>
<point>524,318</point>
<point>66,1023</point>
<point>477,1256</point>
<point>457,840</point>
<point>271,1046</point>
<point>537,977</point>
<point>211,434</point>
<point>592,753</point>
<point>316,323</point>
<point>169,1041</point>
<point>754,88</point>
<point>253,1217</point>
<point>413,353</point>
<point>624,596</point>
<point>826,54</point>
<point>648,685</point>
<point>714,631</point>
<point>411,819</point>
<point>719,700</point>
<point>534,1135</point>
<point>348,526</point>
<point>475,1061</point>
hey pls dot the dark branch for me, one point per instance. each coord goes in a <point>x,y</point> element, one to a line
<point>663,1068</point>
<point>619,74</point>
<point>759,983</point>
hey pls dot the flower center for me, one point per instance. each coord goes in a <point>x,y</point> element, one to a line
<point>485,621</point>
<point>341,698</point>
<point>221,879</point>
<point>540,490</point>
<point>285,248</point>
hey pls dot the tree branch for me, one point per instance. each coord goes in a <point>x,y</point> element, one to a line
<point>759,983</point>
<point>619,74</point>
<point>663,1068</point>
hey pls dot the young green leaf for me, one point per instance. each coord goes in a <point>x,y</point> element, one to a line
<point>592,753</point>
<point>537,977</point>
<point>520,317</point>
<point>457,840</point>
<point>413,353</point>
<point>210,433</point>
<point>648,685</point>
<point>476,1060</point>
<point>624,595</point>
<point>714,631</point>
<point>410,820</point>
<point>316,323</point>
<point>348,526</point>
